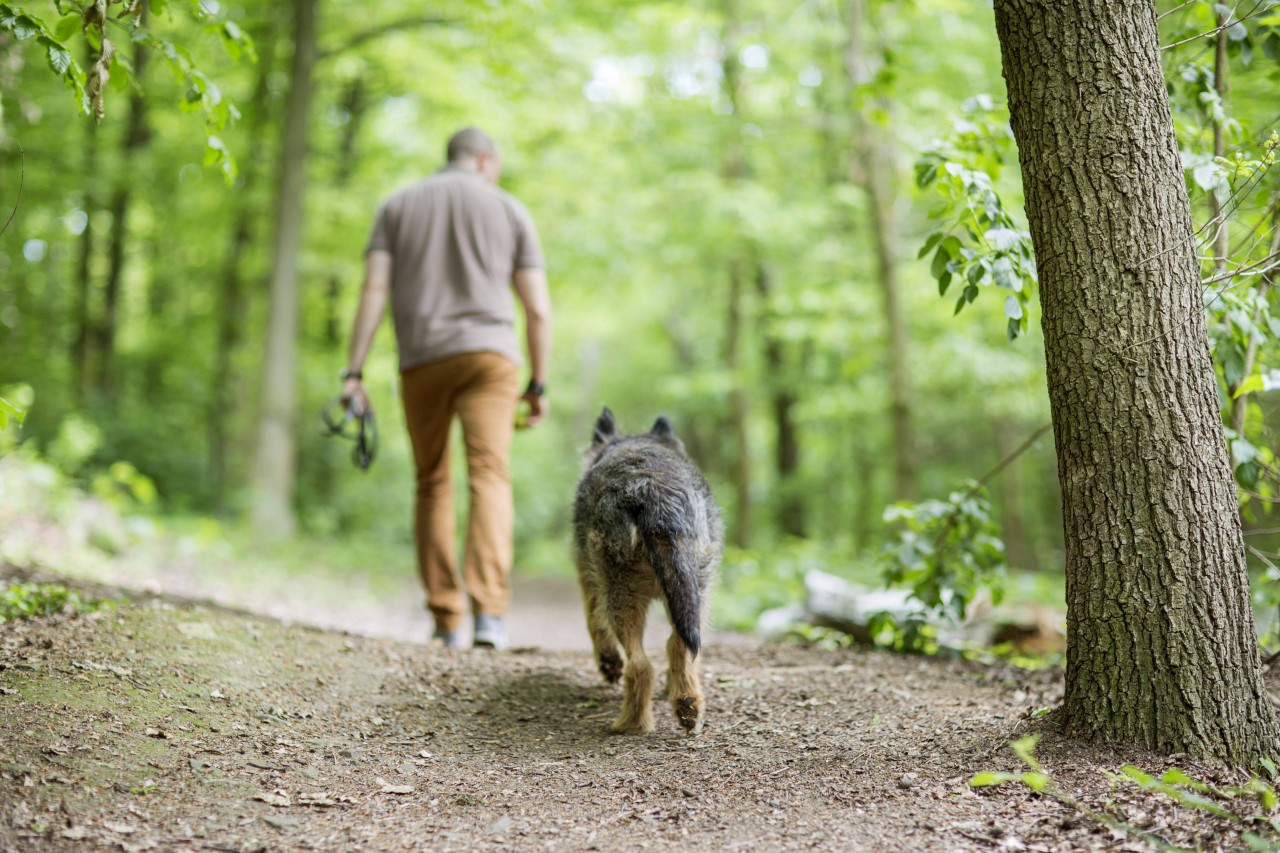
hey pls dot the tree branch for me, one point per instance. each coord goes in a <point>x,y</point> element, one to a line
<point>375,33</point>
<point>22,179</point>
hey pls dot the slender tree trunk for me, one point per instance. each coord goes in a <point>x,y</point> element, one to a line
<point>1240,404</point>
<point>80,341</point>
<point>354,103</point>
<point>1161,649</point>
<point>232,309</point>
<point>1221,236</point>
<point>739,409</point>
<point>791,515</point>
<point>874,169</point>
<point>135,138</point>
<point>275,464</point>
<point>1017,547</point>
<point>735,170</point>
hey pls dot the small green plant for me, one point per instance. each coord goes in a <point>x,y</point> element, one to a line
<point>946,551</point>
<point>15,402</point>
<point>1185,790</point>
<point>29,600</point>
<point>820,637</point>
<point>124,485</point>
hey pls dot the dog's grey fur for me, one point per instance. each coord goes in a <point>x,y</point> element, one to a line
<point>646,526</point>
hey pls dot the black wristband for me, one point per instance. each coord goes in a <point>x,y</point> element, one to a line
<point>350,374</point>
<point>536,388</point>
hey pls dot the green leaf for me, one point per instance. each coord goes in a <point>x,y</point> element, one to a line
<point>1253,383</point>
<point>1002,272</point>
<point>1268,765</point>
<point>933,240</point>
<point>1036,781</point>
<point>68,27</point>
<point>1012,308</point>
<point>986,778</point>
<point>1242,451</point>
<point>59,57</point>
<point>1024,748</point>
<point>943,283</point>
<point>1137,775</point>
<point>1002,239</point>
<point>940,261</point>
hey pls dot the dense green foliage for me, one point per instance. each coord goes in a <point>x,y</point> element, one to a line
<point>696,174</point>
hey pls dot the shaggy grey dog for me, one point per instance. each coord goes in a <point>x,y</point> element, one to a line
<point>645,526</point>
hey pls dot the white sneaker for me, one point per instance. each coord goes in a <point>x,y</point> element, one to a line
<point>490,632</point>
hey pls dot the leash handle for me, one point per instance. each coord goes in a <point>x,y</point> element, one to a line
<point>362,428</point>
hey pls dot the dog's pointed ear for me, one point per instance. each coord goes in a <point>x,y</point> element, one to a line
<point>662,428</point>
<point>605,428</point>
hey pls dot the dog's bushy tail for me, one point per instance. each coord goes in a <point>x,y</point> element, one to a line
<point>664,519</point>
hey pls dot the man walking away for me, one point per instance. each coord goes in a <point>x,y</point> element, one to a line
<point>449,249</point>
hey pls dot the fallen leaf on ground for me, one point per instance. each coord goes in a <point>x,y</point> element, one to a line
<point>278,798</point>
<point>388,788</point>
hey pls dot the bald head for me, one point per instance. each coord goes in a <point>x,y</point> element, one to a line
<point>469,143</point>
<point>471,148</point>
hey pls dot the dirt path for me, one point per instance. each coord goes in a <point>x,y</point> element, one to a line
<point>177,726</point>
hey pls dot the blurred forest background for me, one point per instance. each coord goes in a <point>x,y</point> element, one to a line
<point>748,208</point>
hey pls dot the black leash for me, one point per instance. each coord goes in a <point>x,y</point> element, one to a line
<point>359,427</point>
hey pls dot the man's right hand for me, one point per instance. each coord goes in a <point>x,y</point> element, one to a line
<point>355,397</point>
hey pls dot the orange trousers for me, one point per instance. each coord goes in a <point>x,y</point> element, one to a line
<point>480,388</point>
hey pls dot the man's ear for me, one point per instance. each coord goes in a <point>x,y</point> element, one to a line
<point>605,428</point>
<point>662,428</point>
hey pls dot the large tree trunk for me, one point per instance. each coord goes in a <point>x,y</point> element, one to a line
<point>873,170</point>
<point>1161,649</point>
<point>275,463</point>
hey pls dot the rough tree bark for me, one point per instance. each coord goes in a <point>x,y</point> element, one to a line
<point>274,469</point>
<point>1161,649</point>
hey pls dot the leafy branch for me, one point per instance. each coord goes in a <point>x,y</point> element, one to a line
<point>980,243</point>
<point>92,20</point>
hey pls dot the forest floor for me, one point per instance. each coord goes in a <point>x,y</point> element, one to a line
<point>178,725</point>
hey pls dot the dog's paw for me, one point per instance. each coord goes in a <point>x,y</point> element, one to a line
<point>632,725</point>
<point>689,713</point>
<point>610,667</point>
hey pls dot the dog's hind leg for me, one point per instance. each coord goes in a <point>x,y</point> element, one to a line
<point>627,614</point>
<point>684,689</point>
<point>608,655</point>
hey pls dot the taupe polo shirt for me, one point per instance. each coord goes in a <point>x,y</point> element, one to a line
<point>455,241</point>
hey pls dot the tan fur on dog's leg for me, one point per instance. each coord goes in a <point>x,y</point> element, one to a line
<point>608,655</point>
<point>684,689</point>
<point>637,681</point>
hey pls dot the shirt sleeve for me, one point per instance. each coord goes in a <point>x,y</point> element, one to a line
<point>380,237</point>
<point>528,248</point>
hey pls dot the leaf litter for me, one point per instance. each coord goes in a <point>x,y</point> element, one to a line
<point>407,746</point>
